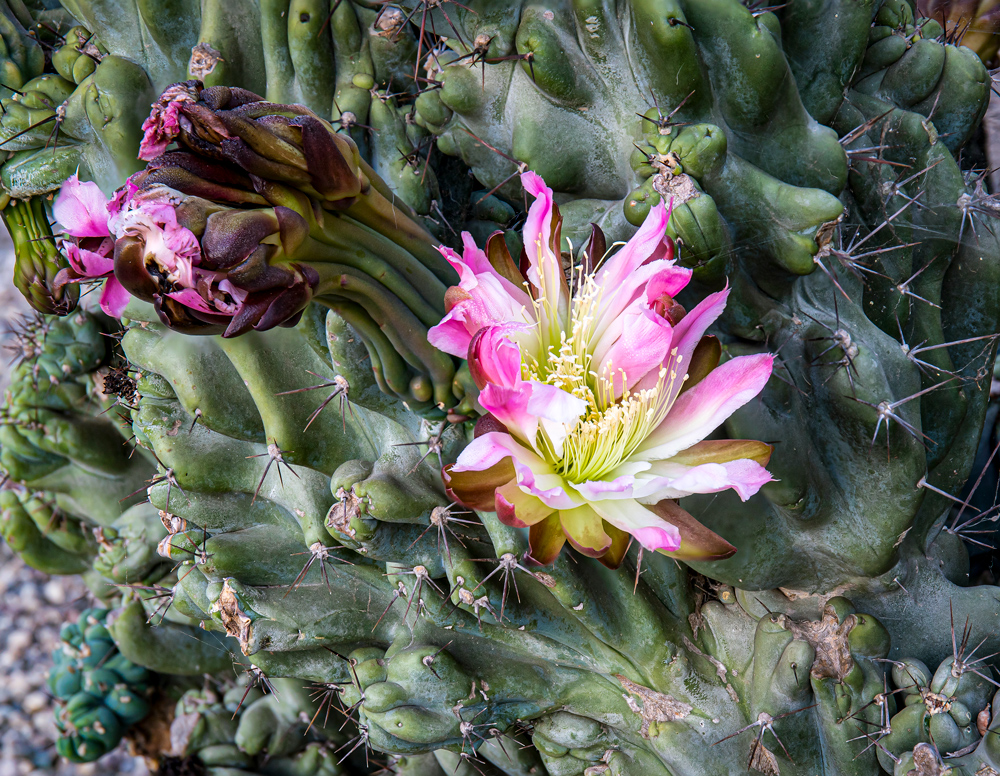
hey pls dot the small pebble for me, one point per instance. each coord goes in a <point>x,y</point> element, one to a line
<point>54,592</point>
<point>17,642</point>
<point>34,701</point>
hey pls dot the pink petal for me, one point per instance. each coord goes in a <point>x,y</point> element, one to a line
<point>537,225</point>
<point>484,452</point>
<point>698,412</point>
<point>490,300</point>
<point>191,298</point>
<point>652,532</point>
<point>226,285</point>
<point>474,256</point>
<point>532,473</point>
<point>636,343</point>
<point>114,298</point>
<point>640,285</point>
<point>673,480</point>
<point>122,195</point>
<point>163,123</point>
<point>451,336</point>
<point>89,264</point>
<point>81,208</point>
<point>545,265</point>
<point>670,280</point>
<point>536,477</point>
<point>509,405</point>
<point>692,327</point>
<point>472,262</point>
<point>599,490</point>
<point>643,245</point>
<point>526,404</point>
<point>688,333</point>
<point>557,410</point>
<point>494,358</point>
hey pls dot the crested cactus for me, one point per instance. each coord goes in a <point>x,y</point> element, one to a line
<point>769,598</point>
<point>60,433</point>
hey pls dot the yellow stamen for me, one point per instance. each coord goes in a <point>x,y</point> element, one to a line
<point>611,428</point>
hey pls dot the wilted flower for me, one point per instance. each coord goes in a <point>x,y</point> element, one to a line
<point>81,209</point>
<point>601,391</point>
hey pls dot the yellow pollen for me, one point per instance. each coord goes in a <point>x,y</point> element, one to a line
<point>611,429</point>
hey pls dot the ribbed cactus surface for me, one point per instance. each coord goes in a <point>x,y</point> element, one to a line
<point>99,690</point>
<point>312,160</point>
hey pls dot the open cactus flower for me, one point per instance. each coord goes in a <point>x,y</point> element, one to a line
<point>81,209</point>
<point>600,391</point>
<point>519,495</point>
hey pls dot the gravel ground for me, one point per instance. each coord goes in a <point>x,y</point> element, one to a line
<point>33,606</point>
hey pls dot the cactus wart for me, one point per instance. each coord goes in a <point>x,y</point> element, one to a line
<point>811,153</point>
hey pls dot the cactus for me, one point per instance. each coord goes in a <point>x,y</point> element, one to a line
<point>60,432</point>
<point>244,730</point>
<point>297,521</point>
<point>100,692</point>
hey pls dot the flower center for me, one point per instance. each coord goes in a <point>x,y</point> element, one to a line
<point>604,439</point>
<point>611,428</point>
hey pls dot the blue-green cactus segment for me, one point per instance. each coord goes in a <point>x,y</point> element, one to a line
<point>100,692</point>
<point>280,728</point>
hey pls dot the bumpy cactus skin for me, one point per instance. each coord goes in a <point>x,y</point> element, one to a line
<point>100,692</point>
<point>641,680</point>
<point>810,154</point>
<point>764,193</point>
<point>60,433</point>
<point>244,731</point>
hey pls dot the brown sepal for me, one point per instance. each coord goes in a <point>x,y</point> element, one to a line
<point>596,249</point>
<point>332,175</point>
<point>476,490</point>
<point>620,542</point>
<point>487,424</point>
<point>130,268</point>
<point>501,260</point>
<point>453,296</point>
<point>546,540</point>
<point>186,320</point>
<point>698,543</point>
<point>233,235</point>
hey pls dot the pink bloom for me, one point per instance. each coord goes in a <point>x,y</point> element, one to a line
<point>93,224</point>
<point>482,297</point>
<point>122,195</point>
<point>151,215</point>
<point>164,121</point>
<point>600,430</point>
<point>226,298</point>
<point>81,209</point>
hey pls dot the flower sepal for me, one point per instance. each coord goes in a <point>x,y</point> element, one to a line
<point>698,543</point>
